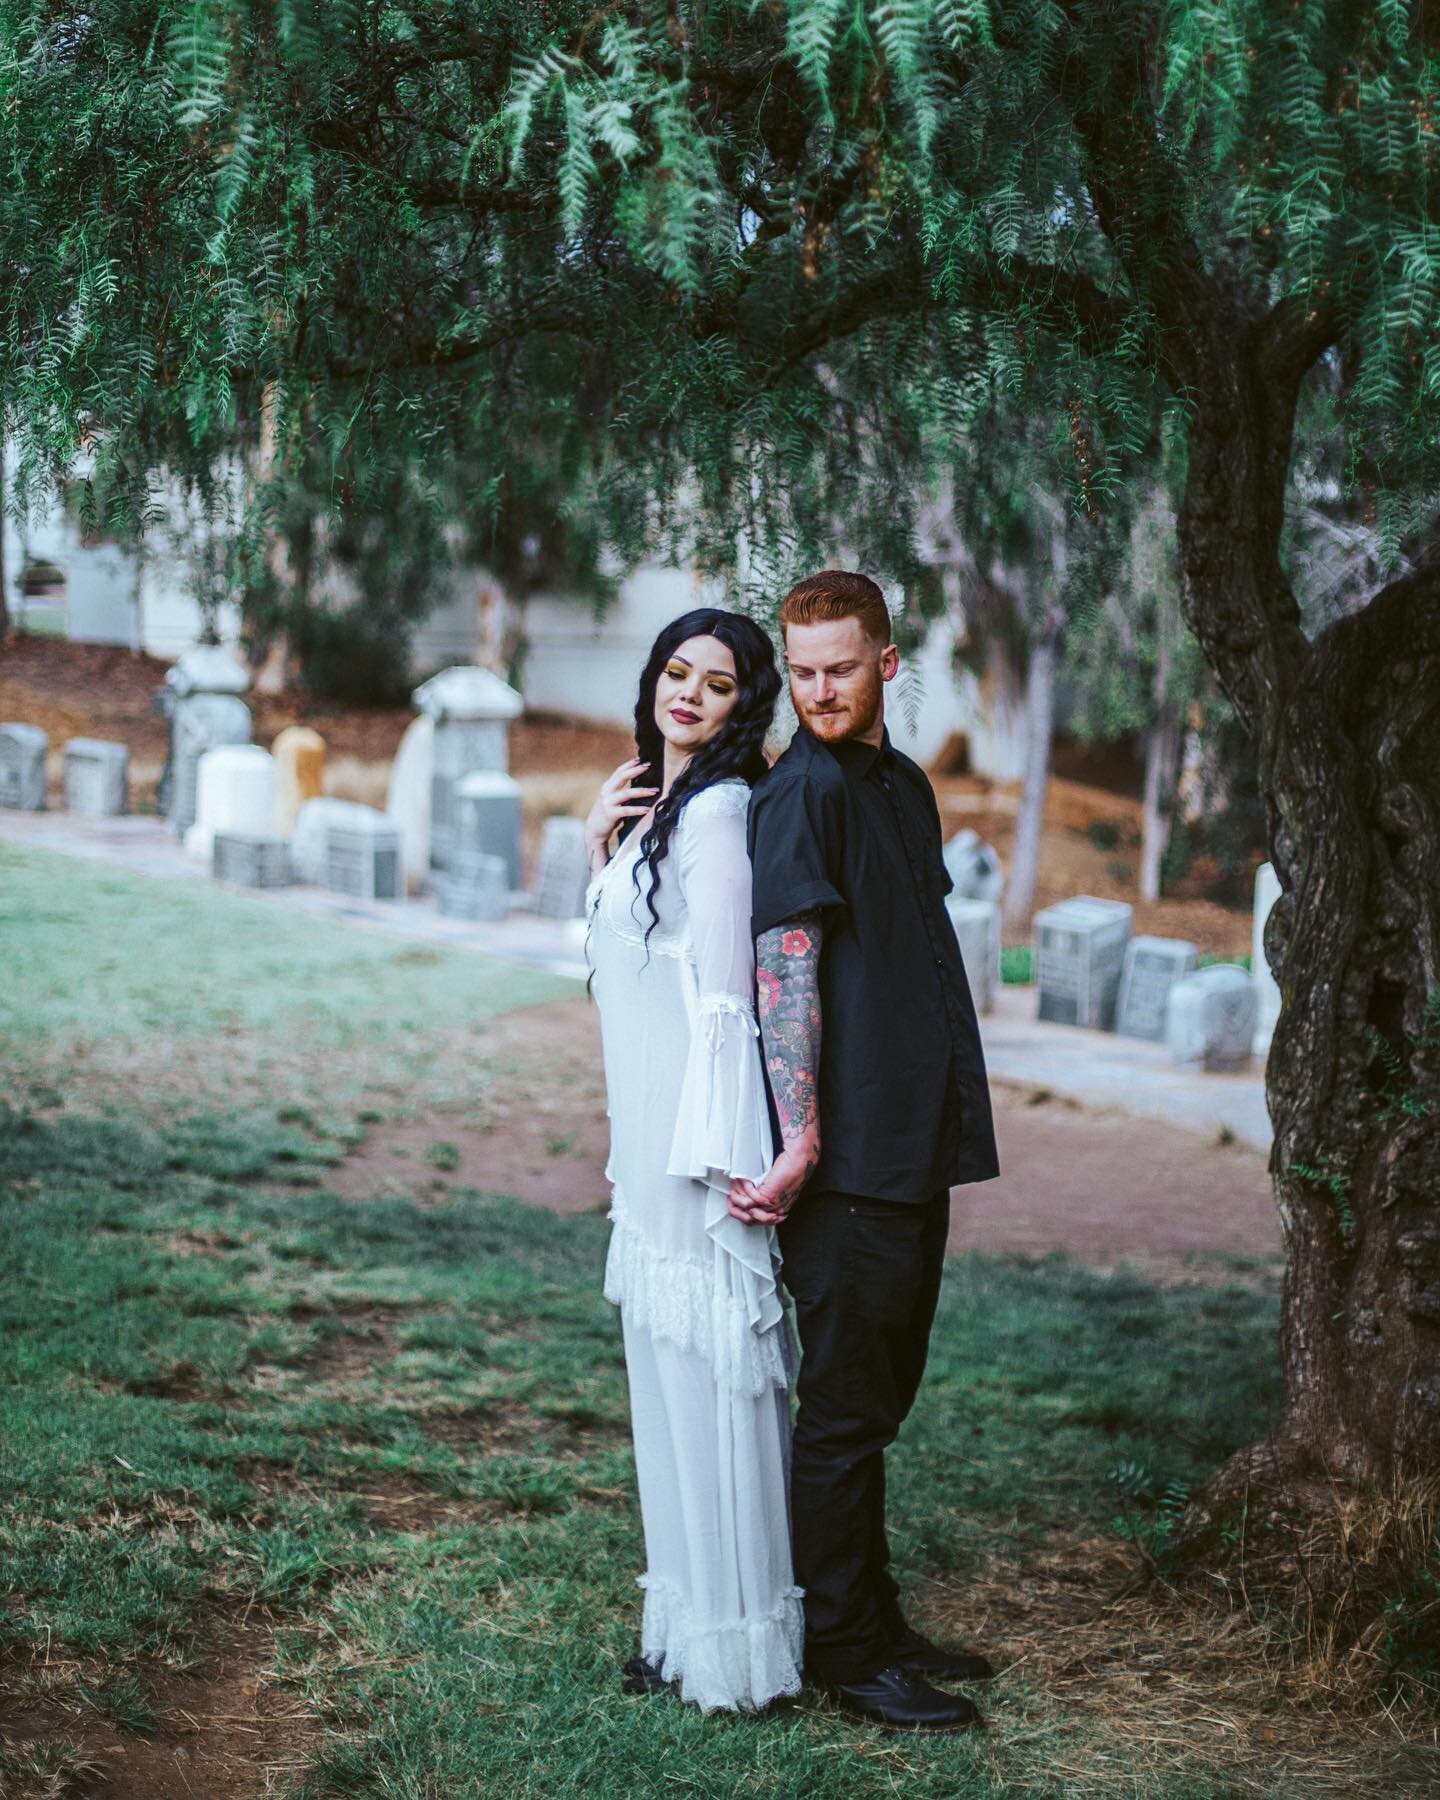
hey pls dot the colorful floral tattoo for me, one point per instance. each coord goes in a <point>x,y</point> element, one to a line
<point>787,978</point>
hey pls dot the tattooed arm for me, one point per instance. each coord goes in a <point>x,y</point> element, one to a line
<point>788,978</point>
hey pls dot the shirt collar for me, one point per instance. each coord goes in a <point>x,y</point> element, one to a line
<point>856,758</point>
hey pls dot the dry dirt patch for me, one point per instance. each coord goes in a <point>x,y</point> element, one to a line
<point>227,1730</point>
<point>1101,1187</point>
<point>1181,1683</point>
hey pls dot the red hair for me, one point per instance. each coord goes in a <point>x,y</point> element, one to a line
<point>837,594</point>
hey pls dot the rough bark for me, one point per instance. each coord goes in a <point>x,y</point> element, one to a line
<point>1039,731</point>
<point>1348,729</point>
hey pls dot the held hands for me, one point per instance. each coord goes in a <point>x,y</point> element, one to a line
<point>769,1200</point>
<point>618,799</point>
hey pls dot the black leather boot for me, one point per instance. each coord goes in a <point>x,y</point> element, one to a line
<point>917,1654</point>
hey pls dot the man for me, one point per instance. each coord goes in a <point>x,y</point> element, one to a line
<point>855,952</point>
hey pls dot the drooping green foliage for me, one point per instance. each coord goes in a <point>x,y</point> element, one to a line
<point>739,274</point>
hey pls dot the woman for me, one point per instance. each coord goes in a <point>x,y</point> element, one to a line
<point>707,1348</point>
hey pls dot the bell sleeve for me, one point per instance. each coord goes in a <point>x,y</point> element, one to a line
<point>722,1128</point>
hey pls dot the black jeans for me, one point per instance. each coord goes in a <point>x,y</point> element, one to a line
<point>865,1276</point>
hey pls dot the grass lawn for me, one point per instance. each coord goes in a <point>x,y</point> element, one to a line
<point>382,1446</point>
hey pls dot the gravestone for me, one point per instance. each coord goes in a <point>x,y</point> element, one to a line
<point>1267,989</point>
<point>1152,966</point>
<point>248,859</point>
<point>475,886</point>
<point>22,768</point>
<point>486,816</point>
<point>1079,952</point>
<point>1210,1018</point>
<point>207,669</point>
<point>407,801</point>
<point>362,858</point>
<point>310,844</point>
<point>977,930</point>
<point>974,867</point>
<point>563,870</point>
<point>471,709</point>
<point>96,777</point>
<point>299,756</point>
<point>202,722</point>
<point>205,711</point>
<point>234,791</point>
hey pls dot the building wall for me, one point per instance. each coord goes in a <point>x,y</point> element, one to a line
<point>573,661</point>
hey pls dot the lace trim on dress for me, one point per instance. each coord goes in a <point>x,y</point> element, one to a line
<point>679,1299</point>
<point>740,1664</point>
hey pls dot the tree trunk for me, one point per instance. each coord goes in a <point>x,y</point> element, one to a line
<point>1162,756</point>
<point>1039,730</point>
<point>1348,729</point>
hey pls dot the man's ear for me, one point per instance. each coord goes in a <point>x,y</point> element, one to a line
<point>889,663</point>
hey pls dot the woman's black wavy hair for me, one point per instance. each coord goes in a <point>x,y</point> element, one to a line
<point>736,749</point>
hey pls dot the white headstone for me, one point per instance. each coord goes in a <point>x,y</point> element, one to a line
<point>1079,951</point>
<point>96,777</point>
<point>467,692</point>
<point>1152,966</point>
<point>487,817</point>
<point>407,804</point>
<point>475,886</point>
<point>1210,1018</point>
<point>201,722</point>
<point>22,768</point>
<point>362,858</point>
<point>562,873</point>
<point>1267,990</point>
<point>234,791</point>
<point>310,845</point>
<point>208,669</point>
<point>472,709</point>
<point>974,867</point>
<point>977,929</point>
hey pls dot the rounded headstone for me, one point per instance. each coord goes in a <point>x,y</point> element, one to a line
<point>1210,1018</point>
<point>234,792</point>
<point>299,754</point>
<point>407,802</point>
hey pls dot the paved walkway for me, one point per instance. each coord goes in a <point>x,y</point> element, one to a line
<point>1098,1070</point>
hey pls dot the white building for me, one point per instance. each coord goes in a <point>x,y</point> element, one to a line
<point>573,662</point>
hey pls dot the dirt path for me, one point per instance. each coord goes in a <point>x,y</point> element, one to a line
<point>1100,1187</point>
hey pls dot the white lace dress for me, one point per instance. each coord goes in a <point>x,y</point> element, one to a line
<point>707,1345</point>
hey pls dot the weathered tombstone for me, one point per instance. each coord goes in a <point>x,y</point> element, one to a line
<point>475,886</point>
<point>1210,1017</point>
<point>248,859</point>
<point>486,816</point>
<point>234,791</point>
<point>977,929</point>
<point>472,710</point>
<point>362,858</point>
<point>1079,951</point>
<point>1267,989</point>
<point>203,722</point>
<point>96,777</point>
<point>407,802</point>
<point>1152,967</point>
<point>299,756</point>
<point>22,768</point>
<point>562,872</point>
<point>974,867</point>
<point>310,845</point>
<point>205,711</point>
<point>207,669</point>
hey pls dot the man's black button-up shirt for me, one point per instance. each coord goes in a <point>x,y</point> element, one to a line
<point>852,830</point>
